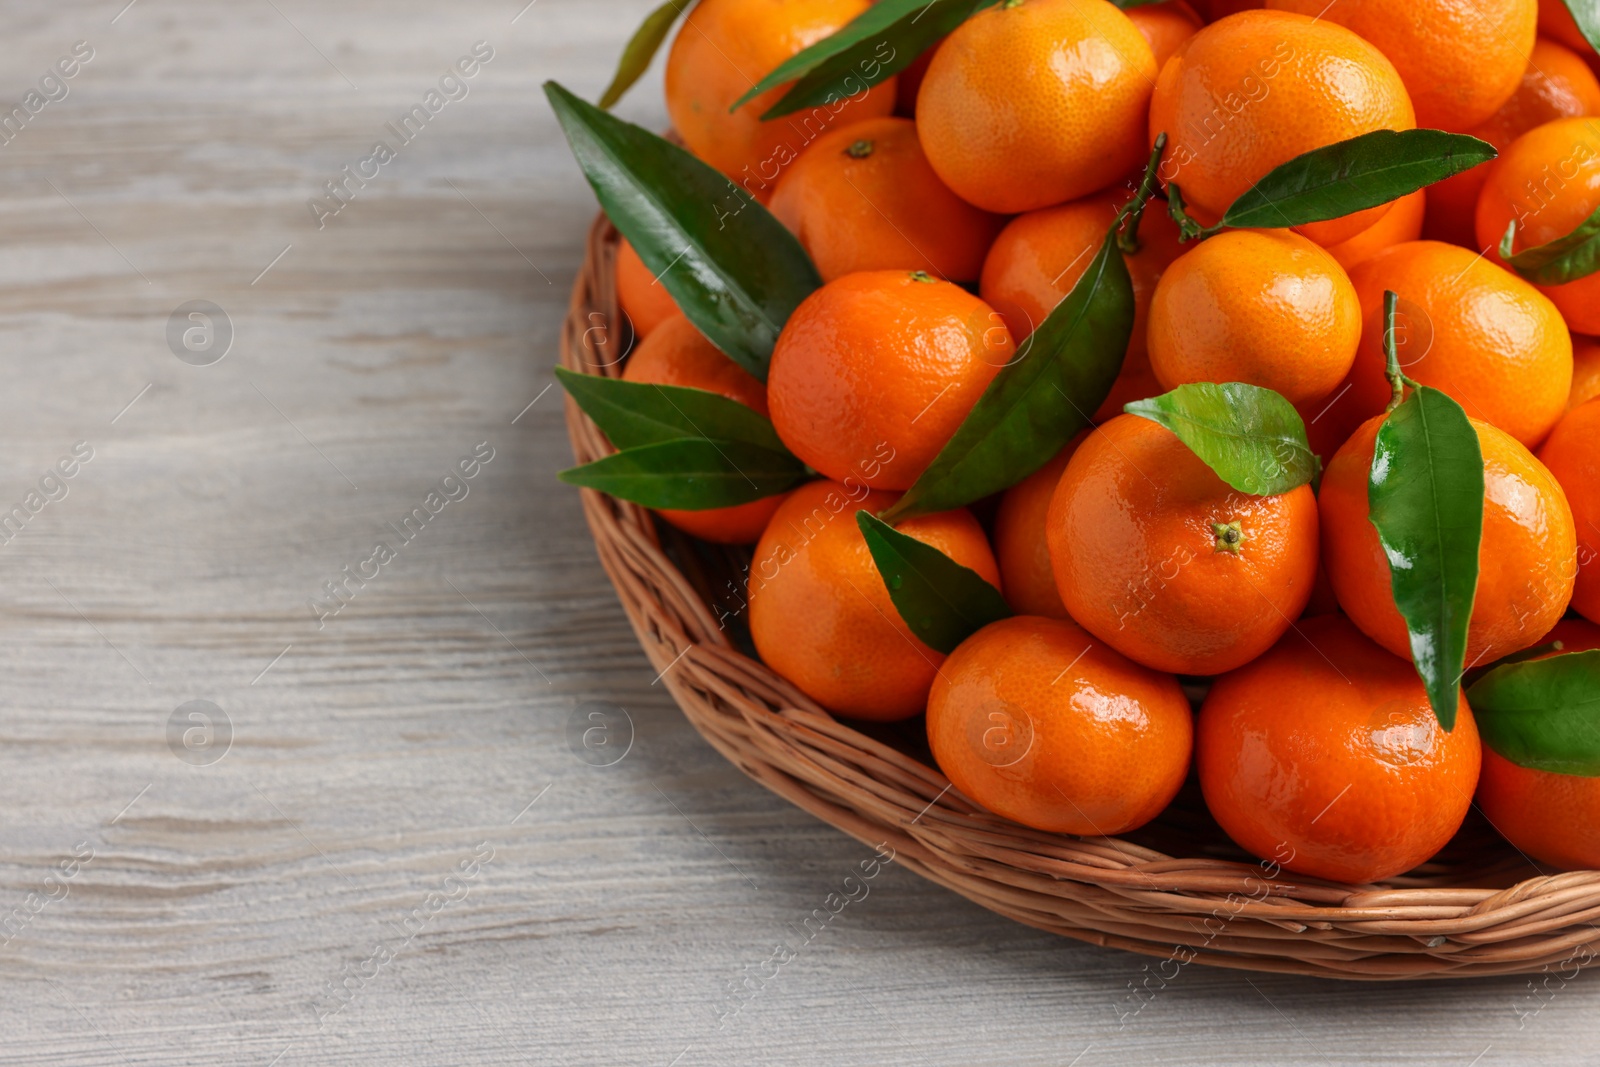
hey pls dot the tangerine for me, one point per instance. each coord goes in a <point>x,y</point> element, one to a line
<point>1267,307</point>
<point>676,353</point>
<point>873,373</point>
<point>1556,21</point>
<point>1585,371</point>
<point>1159,558</point>
<point>1041,255</point>
<point>1460,59</point>
<point>1468,328</point>
<point>1556,84</point>
<point>863,197</point>
<point>1256,89</point>
<point>1572,456</point>
<point>1525,570</point>
<point>820,614</point>
<point>1548,180</point>
<point>1325,757</point>
<point>724,48</point>
<point>1550,817</point>
<point>1032,102</point>
<point>1036,721</point>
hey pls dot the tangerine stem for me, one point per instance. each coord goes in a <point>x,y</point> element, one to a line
<point>1188,229</point>
<point>1391,353</point>
<point>1133,212</point>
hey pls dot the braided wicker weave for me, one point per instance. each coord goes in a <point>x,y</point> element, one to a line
<point>1177,889</point>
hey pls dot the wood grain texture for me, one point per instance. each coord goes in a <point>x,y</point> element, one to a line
<point>289,903</point>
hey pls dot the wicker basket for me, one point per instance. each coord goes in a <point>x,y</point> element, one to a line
<point>1177,889</point>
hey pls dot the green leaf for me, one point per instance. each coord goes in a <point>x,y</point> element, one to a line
<point>1566,259</point>
<point>733,269</point>
<point>882,41</point>
<point>1353,175</point>
<point>1586,13</point>
<point>1425,496</point>
<point>1543,714</point>
<point>631,414</point>
<point>641,49</point>
<point>691,474</point>
<point>1036,404</point>
<point>1252,437</point>
<point>941,601</point>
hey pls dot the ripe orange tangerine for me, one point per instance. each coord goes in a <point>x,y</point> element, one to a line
<point>820,614</point>
<point>1549,817</point>
<point>863,197</point>
<point>1267,307</point>
<point>1549,182</point>
<point>1585,371</point>
<point>1038,722</point>
<point>644,300</point>
<point>1165,26</point>
<point>1033,102</point>
<point>1156,556</point>
<point>1258,88</point>
<point>1020,545</point>
<point>1525,562</point>
<point>727,46</point>
<point>1325,757</point>
<point>1403,222</point>
<point>873,373</point>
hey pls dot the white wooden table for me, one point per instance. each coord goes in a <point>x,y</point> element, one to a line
<point>383,849</point>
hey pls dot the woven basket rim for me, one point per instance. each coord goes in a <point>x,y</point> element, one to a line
<point>1455,921</point>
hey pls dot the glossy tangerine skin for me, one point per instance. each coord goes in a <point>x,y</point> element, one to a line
<point>1287,84</point>
<point>1019,540</point>
<point>1471,329</point>
<point>676,353</point>
<point>882,363</point>
<point>1549,181</point>
<point>727,46</point>
<point>1549,817</point>
<point>819,612</point>
<point>1135,550</point>
<point>1460,59</point>
<point>1035,104</point>
<point>1556,84</point>
<point>1041,255</point>
<point>1525,562</point>
<point>1572,455</point>
<point>863,197</point>
<point>1267,307</point>
<point>1038,722</point>
<point>1585,371</point>
<point>1325,756</point>
<point>644,300</point>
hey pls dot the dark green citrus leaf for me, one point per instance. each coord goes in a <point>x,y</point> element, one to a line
<point>1061,374</point>
<point>1425,496</point>
<point>1566,259</point>
<point>941,601</point>
<point>1353,175</point>
<point>1586,13</point>
<point>691,474</point>
<point>733,269</point>
<point>878,43</point>
<point>641,49</point>
<point>631,414</point>
<point>882,42</point>
<point>1252,437</point>
<point>1543,714</point>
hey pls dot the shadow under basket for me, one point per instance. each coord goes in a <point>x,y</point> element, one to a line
<point>1177,889</point>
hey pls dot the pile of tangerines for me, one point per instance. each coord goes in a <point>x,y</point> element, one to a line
<point>1063,357</point>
